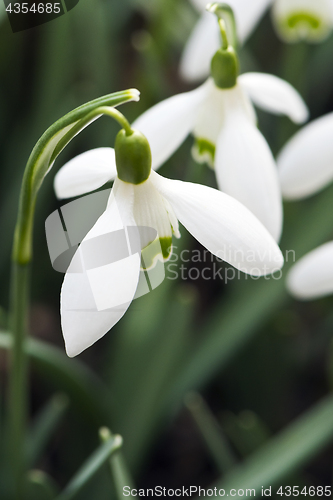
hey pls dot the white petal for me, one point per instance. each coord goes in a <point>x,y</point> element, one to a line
<point>312,276</point>
<point>86,172</point>
<point>309,20</point>
<point>149,210</point>
<point>306,162</point>
<point>223,225</point>
<point>275,95</point>
<point>248,14</point>
<point>167,124</point>
<point>216,106</point>
<point>246,170</point>
<point>95,294</point>
<point>202,44</point>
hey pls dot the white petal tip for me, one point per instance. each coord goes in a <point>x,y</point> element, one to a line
<point>72,353</point>
<point>302,116</point>
<point>312,276</point>
<point>135,94</point>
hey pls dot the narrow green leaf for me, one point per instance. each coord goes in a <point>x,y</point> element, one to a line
<point>90,467</point>
<point>246,431</point>
<point>39,486</point>
<point>70,375</point>
<point>120,473</point>
<point>211,432</point>
<point>285,453</point>
<point>44,426</point>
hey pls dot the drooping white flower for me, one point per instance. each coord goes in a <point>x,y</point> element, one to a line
<point>312,276</point>
<point>94,299</point>
<point>310,20</point>
<point>305,163</point>
<point>223,122</point>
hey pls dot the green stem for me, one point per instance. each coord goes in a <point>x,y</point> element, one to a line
<point>17,411</point>
<point>120,474</point>
<point>224,37</point>
<point>119,117</point>
<point>40,161</point>
<point>227,23</point>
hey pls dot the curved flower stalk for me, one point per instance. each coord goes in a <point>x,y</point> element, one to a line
<point>294,20</point>
<point>305,167</point>
<point>205,39</point>
<point>94,300</point>
<point>223,122</point>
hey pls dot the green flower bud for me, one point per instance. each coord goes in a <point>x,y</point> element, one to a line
<point>133,157</point>
<point>225,68</point>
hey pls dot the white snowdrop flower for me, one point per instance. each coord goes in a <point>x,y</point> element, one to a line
<point>309,20</point>
<point>94,299</point>
<point>295,20</point>
<point>312,276</point>
<point>223,122</point>
<point>305,164</point>
<point>221,117</point>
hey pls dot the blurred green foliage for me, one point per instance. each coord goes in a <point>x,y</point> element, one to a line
<point>246,345</point>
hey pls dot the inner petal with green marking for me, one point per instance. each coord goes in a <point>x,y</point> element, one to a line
<point>303,25</point>
<point>203,151</point>
<point>151,210</point>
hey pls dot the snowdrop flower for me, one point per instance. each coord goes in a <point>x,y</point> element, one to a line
<point>222,119</point>
<point>305,163</point>
<point>310,20</point>
<point>305,167</point>
<point>312,276</point>
<point>93,300</point>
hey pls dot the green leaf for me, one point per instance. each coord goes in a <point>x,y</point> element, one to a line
<point>90,467</point>
<point>211,432</point>
<point>44,426</point>
<point>39,486</point>
<point>70,375</point>
<point>120,473</point>
<point>286,452</point>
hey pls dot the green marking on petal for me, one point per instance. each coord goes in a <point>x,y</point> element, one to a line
<point>160,248</point>
<point>303,26</point>
<point>203,151</point>
<point>304,18</point>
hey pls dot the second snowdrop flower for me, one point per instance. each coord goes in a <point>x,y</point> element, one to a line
<point>221,117</point>
<point>93,300</point>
